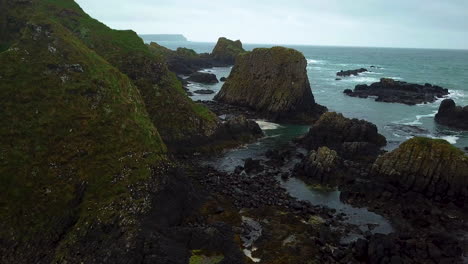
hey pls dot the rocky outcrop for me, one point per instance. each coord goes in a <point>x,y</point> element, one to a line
<point>351,72</point>
<point>203,77</point>
<point>272,82</point>
<point>351,138</point>
<point>391,91</point>
<point>451,115</point>
<point>432,167</point>
<point>323,166</point>
<point>204,91</point>
<point>226,51</point>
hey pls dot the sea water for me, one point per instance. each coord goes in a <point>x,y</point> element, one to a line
<point>397,122</point>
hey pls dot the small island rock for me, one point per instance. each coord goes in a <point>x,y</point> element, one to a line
<point>273,82</point>
<point>452,115</point>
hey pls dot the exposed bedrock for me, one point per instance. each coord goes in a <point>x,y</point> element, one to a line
<point>352,138</point>
<point>391,91</point>
<point>432,167</point>
<point>351,72</point>
<point>452,115</point>
<point>272,82</point>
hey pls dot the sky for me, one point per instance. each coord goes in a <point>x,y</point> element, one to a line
<point>367,23</point>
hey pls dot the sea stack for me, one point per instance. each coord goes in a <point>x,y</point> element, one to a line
<point>452,115</point>
<point>274,83</point>
<point>226,51</point>
<point>432,167</point>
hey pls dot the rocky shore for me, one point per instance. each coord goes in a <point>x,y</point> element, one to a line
<point>451,115</point>
<point>351,72</point>
<point>391,91</point>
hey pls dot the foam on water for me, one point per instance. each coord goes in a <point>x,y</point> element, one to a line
<point>450,139</point>
<point>312,61</point>
<point>361,79</point>
<point>265,125</point>
<point>418,119</point>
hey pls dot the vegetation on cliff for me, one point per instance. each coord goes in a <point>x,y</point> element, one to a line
<point>160,88</point>
<point>273,82</point>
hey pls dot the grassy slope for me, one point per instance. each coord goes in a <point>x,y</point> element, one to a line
<point>75,140</point>
<point>174,114</point>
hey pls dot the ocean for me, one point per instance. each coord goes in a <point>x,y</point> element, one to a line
<point>397,122</point>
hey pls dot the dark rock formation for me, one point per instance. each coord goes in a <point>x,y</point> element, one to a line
<point>203,77</point>
<point>226,51</point>
<point>323,166</point>
<point>391,91</point>
<point>351,138</point>
<point>452,115</point>
<point>432,167</point>
<point>223,79</point>
<point>351,72</point>
<point>274,83</point>
<point>204,91</point>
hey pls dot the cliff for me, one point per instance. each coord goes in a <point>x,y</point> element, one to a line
<point>226,51</point>
<point>451,115</point>
<point>78,148</point>
<point>429,166</point>
<point>273,82</point>
<point>178,119</point>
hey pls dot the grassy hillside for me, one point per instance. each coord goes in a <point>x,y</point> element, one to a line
<point>177,118</point>
<point>78,150</point>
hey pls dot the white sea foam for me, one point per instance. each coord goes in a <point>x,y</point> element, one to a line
<point>456,94</point>
<point>265,125</point>
<point>312,61</point>
<point>418,119</point>
<point>361,79</point>
<point>248,253</point>
<point>449,139</point>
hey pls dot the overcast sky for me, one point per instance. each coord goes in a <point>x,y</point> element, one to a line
<point>378,23</point>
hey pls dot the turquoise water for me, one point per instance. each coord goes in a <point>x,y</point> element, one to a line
<point>397,122</point>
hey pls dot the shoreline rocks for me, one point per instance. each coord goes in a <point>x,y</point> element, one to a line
<point>203,77</point>
<point>391,91</point>
<point>351,72</point>
<point>451,115</point>
<point>274,83</point>
<point>351,138</point>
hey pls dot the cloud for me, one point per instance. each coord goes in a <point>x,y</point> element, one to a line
<point>397,23</point>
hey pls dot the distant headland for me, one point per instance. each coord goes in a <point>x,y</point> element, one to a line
<point>164,37</point>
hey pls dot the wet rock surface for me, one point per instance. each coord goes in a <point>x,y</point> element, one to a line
<point>351,72</point>
<point>202,77</point>
<point>451,115</point>
<point>392,91</point>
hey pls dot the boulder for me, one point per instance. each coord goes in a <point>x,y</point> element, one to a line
<point>451,115</point>
<point>323,165</point>
<point>391,91</point>
<point>203,77</point>
<point>351,72</point>
<point>274,83</point>
<point>223,79</point>
<point>204,91</point>
<point>226,51</point>
<point>351,138</point>
<point>432,167</point>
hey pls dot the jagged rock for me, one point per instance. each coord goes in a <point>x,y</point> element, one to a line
<point>350,72</point>
<point>253,166</point>
<point>227,50</point>
<point>202,77</point>
<point>351,138</point>
<point>204,91</point>
<point>432,167</point>
<point>274,83</point>
<point>223,79</point>
<point>452,115</point>
<point>322,165</point>
<point>391,91</point>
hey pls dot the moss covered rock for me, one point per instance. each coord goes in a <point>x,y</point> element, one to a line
<point>432,167</point>
<point>273,82</point>
<point>226,51</point>
<point>351,138</point>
